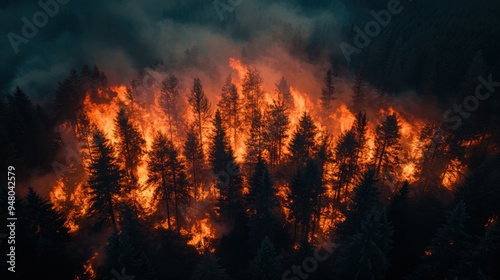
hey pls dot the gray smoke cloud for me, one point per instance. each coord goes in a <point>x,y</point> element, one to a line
<point>123,36</point>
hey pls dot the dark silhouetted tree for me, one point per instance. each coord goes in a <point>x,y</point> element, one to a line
<point>262,203</point>
<point>303,143</point>
<point>209,269</point>
<point>365,198</point>
<point>359,94</point>
<point>105,180</point>
<point>345,156</point>
<point>229,107</point>
<point>387,146</point>
<point>252,94</point>
<point>266,264</point>
<point>227,172</point>
<point>284,93</point>
<point>193,152</point>
<point>447,247</point>
<point>167,174</point>
<point>130,146</point>
<point>328,90</point>
<point>200,107</point>
<point>277,127</point>
<point>172,105</point>
<point>363,255</point>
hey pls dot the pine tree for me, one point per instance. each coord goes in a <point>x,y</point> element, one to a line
<point>226,169</point>
<point>303,143</point>
<point>262,203</point>
<point>105,179</point>
<point>209,269</point>
<point>193,152</point>
<point>127,249</point>
<point>328,90</point>
<point>266,265</point>
<point>398,207</point>
<point>359,95</point>
<point>130,146</point>
<point>387,146</point>
<point>171,103</point>
<point>278,125</point>
<point>306,190</point>
<point>363,255</point>
<point>42,239</point>
<point>200,107</point>
<point>479,261</point>
<point>69,97</point>
<point>229,107</point>
<point>167,174</point>
<point>345,155</point>
<point>257,139</point>
<point>360,129</point>
<point>252,94</point>
<point>284,93</point>
<point>447,247</point>
<point>365,198</point>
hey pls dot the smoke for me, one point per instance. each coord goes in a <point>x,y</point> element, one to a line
<point>123,37</point>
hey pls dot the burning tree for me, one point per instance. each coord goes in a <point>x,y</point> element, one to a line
<point>328,90</point>
<point>130,146</point>
<point>200,107</point>
<point>387,147</point>
<point>224,166</point>
<point>105,180</point>
<point>172,104</point>
<point>167,174</point>
<point>229,107</point>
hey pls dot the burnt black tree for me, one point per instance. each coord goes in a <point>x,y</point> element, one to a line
<point>167,174</point>
<point>105,180</point>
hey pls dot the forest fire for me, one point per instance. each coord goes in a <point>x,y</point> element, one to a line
<point>145,114</point>
<point>168,140</point>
